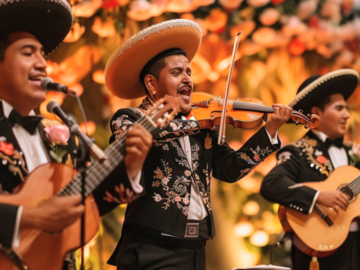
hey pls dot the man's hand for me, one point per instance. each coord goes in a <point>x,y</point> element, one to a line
<point>54,215</point>
<point>333,199</point>
<point>138,144</point>
<point>280,116</point>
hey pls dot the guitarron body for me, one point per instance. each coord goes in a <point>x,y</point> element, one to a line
<point>313,235</point>
<point>46,250</point>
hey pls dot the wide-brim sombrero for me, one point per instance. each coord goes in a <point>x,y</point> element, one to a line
<point>48,20</point>
<point>125,64</point>
<point>316,88</point>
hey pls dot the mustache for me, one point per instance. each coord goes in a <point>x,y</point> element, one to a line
<point>184,85</point>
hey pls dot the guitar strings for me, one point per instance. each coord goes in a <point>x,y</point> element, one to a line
<point>115,156</point>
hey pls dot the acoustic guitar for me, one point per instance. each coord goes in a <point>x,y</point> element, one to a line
<point>325,229</point>
<point>46,250</point>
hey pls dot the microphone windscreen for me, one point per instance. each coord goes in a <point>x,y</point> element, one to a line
<point>51,106</point>
<point>45,82</point>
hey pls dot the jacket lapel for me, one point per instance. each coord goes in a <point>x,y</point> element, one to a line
<point>320,155</point>
<point>6,130</point>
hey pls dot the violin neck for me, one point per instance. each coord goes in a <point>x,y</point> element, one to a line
<point>254,107</point>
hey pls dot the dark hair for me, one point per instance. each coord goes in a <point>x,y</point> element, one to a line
<point>321,104</point>
<point>4,43</point>
<point>157,63</point>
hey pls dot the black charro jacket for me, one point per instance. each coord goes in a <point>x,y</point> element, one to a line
<point>168,175</point>
<point>306,160</point>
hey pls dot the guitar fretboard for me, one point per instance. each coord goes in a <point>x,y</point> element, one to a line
<point>97,172</point>
<point>354,187</point>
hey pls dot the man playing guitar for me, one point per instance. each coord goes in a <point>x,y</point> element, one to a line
<point>30,30</point>
<point>313,158</point>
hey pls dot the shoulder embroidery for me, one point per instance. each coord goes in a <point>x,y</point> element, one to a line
<point>283,157</point>
<point>320,163</point>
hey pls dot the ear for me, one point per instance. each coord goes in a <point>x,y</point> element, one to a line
<point>315,110</point>
<point>150,83</point>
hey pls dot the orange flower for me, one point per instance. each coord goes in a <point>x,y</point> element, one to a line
<point>7,148</point>
<point>321,159</point>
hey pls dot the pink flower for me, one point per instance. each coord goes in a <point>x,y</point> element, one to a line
<point>165,180</point>
<point>58,134</point>
<point>257,157</point>
<point>157,198</point>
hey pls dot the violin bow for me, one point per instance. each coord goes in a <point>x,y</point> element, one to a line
<point>221,139</point>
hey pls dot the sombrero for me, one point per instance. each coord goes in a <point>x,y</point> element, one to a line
<point>48,20</point>
<point>316,88</point>
<point>125,64</point>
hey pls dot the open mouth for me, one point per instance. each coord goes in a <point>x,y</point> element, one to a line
<point>185,93</point>
<point>36,79</point>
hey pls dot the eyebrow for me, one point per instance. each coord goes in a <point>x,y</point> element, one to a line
<point>31,46</point>
<point>180,68</point>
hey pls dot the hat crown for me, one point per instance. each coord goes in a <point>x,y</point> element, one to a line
<point>307,82</point>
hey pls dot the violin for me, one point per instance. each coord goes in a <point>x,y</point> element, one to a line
<point>245,113</point>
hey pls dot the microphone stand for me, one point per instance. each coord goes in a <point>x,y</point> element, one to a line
<point>85,149</point>
<point>82,156</point>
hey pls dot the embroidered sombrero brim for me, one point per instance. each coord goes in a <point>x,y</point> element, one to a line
<point>124,66</point>
<point>315,88</point>
<point>48,20</point>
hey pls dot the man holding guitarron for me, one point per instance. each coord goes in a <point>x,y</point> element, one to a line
<point>312,159</point>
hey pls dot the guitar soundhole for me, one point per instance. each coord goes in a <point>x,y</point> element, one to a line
<point>347,191</point>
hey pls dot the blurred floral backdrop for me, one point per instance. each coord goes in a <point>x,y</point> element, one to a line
<point>283,43</point>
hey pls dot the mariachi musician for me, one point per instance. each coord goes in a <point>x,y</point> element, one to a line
<point>314,157</point>
<point>30,30</point>
<point>167,228</point>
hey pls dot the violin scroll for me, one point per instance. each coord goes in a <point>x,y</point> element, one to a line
<point>309,121</point>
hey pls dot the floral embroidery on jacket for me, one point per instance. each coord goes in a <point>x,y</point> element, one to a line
<point>306,146</point>
<point>259,155</point>
<point>123,195</point>
<point>205,193</point>
<point>13,159</point>
<point>177,194</point>
<point>120,124</point>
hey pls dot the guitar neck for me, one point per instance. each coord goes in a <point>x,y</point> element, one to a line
<point>97,172</point>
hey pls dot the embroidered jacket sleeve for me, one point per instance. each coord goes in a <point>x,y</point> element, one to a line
<point>7,225</point>
<point>282,184</point>
<point>177,128</point>
<point>230,165</point>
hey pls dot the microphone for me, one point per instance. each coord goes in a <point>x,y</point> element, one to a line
<point>95,151</point>
<point>49,85</point>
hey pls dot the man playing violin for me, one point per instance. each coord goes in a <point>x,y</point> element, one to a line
<point>168,227</point>
<point>29,30</point>
<point>314,157</point>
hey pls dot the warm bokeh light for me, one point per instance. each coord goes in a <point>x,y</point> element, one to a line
<point>89,128</point>
<point>99,77</point>
<point>75,33</point>
<point>259,238</point>
<point>251,208</point>
<point>243,229</point>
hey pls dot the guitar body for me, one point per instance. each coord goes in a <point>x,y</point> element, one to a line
<point>43,250</point>
<point>316,237</point>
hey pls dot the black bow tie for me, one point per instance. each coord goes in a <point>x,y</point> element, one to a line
<point>29,122</point>
<point>337,142</point>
